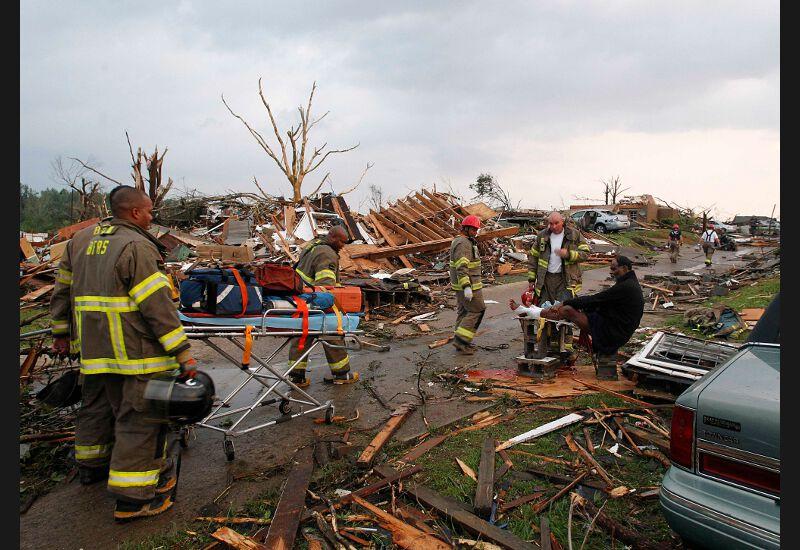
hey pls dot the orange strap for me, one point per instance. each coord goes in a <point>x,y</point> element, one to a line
<point>302,310</point>
<point>338,319</point>
<point>242,288</point>
<point>248,345</point>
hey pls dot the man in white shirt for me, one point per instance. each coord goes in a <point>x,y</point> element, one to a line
<point>710,242</point>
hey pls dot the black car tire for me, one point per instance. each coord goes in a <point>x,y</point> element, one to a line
<point>600,228</point>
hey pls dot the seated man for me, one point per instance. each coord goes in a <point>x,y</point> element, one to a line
<point>610,316</point>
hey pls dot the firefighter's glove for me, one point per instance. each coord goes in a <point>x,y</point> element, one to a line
<point>188,369</point>
<point>468,293</point>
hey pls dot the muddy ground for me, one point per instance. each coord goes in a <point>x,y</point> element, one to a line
<point>72,516</point>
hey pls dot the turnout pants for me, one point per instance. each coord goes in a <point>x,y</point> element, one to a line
<point>338,359</point>
<point>469,315</point>
<point>114,430</point>
<point>555,289</point>
<point>708,248</point>
<point>674,248</point>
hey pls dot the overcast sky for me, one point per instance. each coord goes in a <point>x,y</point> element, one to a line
<point>679,99</point>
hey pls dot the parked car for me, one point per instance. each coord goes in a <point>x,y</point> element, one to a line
<point>723,488</point>
<point>600,220</point>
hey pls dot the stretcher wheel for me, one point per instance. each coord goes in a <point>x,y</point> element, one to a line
<point>230,451</point>
<point>285,406</point>
<point>329,415</point>
<point>183,438</point>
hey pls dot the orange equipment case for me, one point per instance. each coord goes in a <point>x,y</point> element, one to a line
<point>347,298</point>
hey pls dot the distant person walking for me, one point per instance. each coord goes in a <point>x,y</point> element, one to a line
<point>710,243</point>
<point>675,242</point>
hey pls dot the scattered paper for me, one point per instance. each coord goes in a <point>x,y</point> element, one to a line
<point>491,302</point>
<point>613,450</point>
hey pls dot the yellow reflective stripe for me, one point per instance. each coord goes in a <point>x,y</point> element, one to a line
<point>339,365</point>
<point>173,339</point>
<point>465,333</point>
<point>477,286</point>
<point>299,366</point>
<point>324,274</point>
<point>105,365</point>
<point>574,255</point>
<point>86,452</point>
<point>459,262</point>
<point>64,276</point>
<point>59,326</point>
<point>105,304</point>
<point>456,286</point>
<point>117,339</point>
<point>140,292</point>
<point>463,281</point>
<point>473,265</point>
<point>584,247</point>
<point>534,252</point>
<point>305,277</point>
<point>543,263</point>
<point>132,479</point>
<point>531,274</point>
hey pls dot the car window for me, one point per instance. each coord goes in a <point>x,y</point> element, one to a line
<point>607,212</point>
<point>578,214</point>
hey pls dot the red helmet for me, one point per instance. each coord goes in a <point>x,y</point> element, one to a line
<point>471,221</point>
<point>676,226</point>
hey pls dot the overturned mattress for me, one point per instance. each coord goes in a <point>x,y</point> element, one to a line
<point>327,322</point>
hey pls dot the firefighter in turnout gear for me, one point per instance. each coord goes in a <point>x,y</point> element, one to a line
<point>112,304</point>
<point>318,265</point>
<point>554,273</point>
<point>675,241</point>
<point>465,278</point>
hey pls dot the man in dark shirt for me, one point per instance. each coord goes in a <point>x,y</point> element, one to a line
<point>610,316</point>
<point>675,241</point>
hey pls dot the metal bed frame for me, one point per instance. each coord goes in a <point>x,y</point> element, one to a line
<point>268,375</point>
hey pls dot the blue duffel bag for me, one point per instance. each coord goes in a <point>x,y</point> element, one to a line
<point>221,292</point>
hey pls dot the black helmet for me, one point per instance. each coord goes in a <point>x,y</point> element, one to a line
<point>176,398</point>
<point>63,391</point>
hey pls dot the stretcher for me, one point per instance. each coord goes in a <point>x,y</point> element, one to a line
<point>277,387</point>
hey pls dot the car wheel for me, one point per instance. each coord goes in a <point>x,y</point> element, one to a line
<point>600,228</point>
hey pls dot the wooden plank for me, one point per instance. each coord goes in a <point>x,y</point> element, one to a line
<point>506,506</point>
<point>392,425</point>
<point>289,219</point>
<point>403,534</point>
<point>634,446</point>
<point>588,437</point>
<point>388,237</point>
<point>530,473</point>
<point>38,293</point>
<point>423,448</point>
<point>236,540</point>
<point>399,218</point>
<point>449,422</point>
<point>389,477</point>
<point>432,246</point>
<point>542,430</point>
<point>469,472</point>
<point>485,490</point>
<point>591,462</point>
<point>646,438</point>
<point>622,396</point>
<point>284,244</point>
<point>544,531</point>
<point>387,223</point>
<point>338,209</point>
<point>470,522</point>
<point>388,472</point>
<point>440,343</point>
<point>542,505</point>
<point>286,520</point>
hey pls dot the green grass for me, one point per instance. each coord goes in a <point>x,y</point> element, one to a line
<point>758,295</point>
<point>442,474</point>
